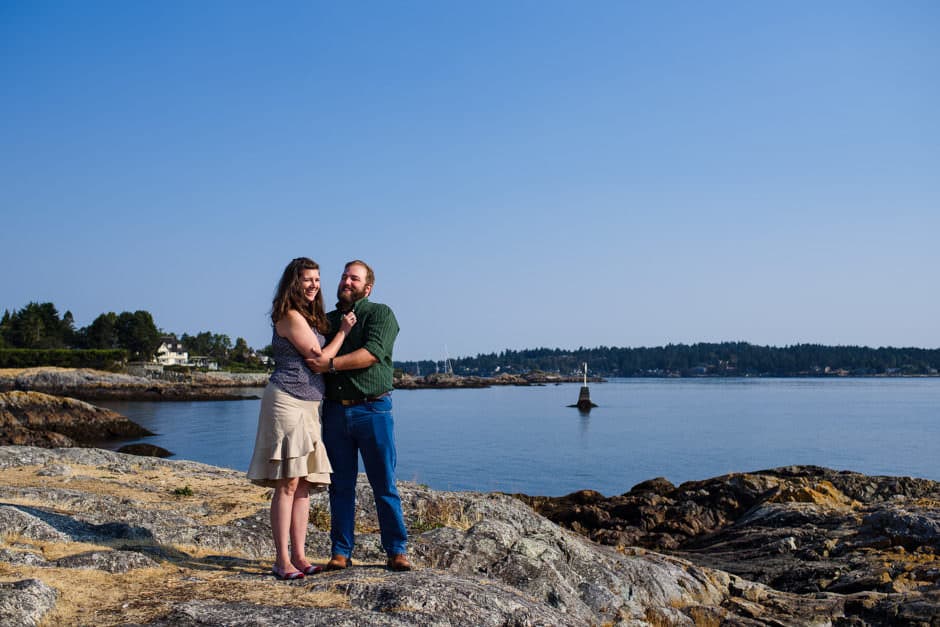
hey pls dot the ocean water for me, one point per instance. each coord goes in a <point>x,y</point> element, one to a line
<point>526,439</point>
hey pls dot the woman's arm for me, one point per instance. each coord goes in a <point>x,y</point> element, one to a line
<point>347,322</point>
<point>297,331</point>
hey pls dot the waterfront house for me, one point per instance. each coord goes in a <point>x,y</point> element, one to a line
<point>171,352</point>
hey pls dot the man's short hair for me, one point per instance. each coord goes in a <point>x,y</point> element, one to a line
<point>370,276</point>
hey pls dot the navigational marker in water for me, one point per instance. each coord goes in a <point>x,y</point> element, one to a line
<point>584,397</point>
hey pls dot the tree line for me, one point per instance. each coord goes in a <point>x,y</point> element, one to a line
<point>702,359</point>
<point>38,326</point>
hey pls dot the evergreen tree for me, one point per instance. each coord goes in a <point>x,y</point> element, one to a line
<point>241,353</point>
<point>102,333</point>
<point>69,334</point>
<point>37,325</point>
<point>137,333</point>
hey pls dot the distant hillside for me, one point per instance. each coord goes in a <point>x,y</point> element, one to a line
<point>703,359</point>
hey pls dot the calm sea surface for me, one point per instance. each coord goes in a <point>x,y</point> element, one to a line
<point>525,439</point>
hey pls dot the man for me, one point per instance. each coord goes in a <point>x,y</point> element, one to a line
<point>357,419</point>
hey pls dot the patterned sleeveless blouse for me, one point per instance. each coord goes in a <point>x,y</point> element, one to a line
<point>291,373</point>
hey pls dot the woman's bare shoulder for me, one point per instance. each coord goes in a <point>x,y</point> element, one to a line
<point>288,321</point>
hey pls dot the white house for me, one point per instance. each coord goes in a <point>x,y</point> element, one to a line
<point>171,353</point>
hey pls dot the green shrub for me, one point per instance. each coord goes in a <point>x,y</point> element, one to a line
<point>100,359</point>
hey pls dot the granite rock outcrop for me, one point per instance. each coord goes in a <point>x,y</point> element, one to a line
<point>37,419</point>
<point>129,540</point>
<point>807,530</point>
<point>25,602</point>
<point>96,385</point>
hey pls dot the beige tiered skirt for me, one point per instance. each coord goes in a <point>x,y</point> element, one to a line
<point>288,443</point>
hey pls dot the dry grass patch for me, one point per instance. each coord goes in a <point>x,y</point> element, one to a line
<point>52,551</point>
<point>92,597</point>
<point>11,538</point>
<point>320,516</point>
<point>227,498</point>
<point>432,514</point>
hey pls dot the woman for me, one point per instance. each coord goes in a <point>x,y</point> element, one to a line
<point>289,454</point>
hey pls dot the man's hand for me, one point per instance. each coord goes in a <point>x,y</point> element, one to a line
<point>319,364</point>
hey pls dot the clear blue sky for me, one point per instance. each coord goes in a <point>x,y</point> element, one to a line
<point>520,174</point>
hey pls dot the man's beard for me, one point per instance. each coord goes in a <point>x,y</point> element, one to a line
<point>350,297</point>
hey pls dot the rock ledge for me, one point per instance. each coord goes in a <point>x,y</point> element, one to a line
<point>111,539</point>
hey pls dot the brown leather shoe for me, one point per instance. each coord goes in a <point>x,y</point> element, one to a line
<point>338,562</point>
<point>399,563</point>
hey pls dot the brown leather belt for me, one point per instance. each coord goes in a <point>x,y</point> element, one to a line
<point>368,399</point>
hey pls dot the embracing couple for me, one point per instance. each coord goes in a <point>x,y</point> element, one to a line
<point>338,365</point>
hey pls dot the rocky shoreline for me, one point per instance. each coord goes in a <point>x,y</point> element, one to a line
<point>48,406</point>
<point>37,419</point>
<point>805,529</point>
<point>444,381</point>
<point>89,536</point>
<point>97,385</point>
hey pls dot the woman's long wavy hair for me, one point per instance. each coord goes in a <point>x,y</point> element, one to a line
<point>290,295</point>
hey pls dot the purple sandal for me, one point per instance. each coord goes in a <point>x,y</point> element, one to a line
<point>310,569</point>
<point>283,575</point>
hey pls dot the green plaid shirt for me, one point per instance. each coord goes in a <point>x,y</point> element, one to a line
<point>376,329</point>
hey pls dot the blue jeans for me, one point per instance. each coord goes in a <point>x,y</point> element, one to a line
<point>365,429</point>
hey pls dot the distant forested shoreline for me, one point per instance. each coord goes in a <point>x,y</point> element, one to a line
<point>725,359</point>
